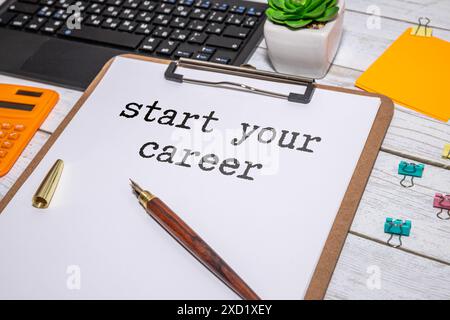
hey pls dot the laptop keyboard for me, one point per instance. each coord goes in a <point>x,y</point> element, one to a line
<point>218,31</point>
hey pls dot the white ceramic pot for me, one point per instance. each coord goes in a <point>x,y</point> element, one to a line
<point>304,52</point>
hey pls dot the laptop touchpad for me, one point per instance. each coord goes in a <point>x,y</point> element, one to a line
<point>70,63</point>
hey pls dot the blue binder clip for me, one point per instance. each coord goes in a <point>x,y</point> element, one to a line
<point>397,227</point>
<point>410,170</point>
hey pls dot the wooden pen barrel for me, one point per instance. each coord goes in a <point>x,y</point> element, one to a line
<point>173,224</point>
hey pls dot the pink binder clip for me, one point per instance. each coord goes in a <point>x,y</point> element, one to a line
<point>442,202</point>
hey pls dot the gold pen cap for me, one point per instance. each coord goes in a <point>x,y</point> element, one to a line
<point>44,193</point>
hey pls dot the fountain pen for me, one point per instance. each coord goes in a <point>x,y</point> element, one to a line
<point>192,242</point>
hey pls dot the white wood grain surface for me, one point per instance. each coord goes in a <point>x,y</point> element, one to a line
<point>368,270</point>
<point>421,269</point>
<point>411,10</point>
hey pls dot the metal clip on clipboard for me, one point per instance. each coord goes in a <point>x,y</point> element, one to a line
<point>244,72</point>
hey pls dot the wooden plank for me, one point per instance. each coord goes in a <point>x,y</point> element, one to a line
<point>411,10</point>
<point>410,132</point>
<point>28,154</point>
<point>67,99</point>
<point>401,275</point>
<point>362,45</point>
<point>384,197</point>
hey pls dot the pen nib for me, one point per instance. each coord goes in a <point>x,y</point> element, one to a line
<point>136,187</point>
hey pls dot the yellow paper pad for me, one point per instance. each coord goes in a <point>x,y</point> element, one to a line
<point>446,151</point>
<point>414,72</point>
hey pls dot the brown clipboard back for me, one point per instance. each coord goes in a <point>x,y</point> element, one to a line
<point>344,218</point>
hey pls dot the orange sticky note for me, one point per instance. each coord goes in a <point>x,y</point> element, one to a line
<point>414,72</point>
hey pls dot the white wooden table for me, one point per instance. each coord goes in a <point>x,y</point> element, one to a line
<point>367,268</point>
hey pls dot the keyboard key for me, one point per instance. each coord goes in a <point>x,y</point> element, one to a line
<point>179,23</point>
<point>186,2</point>
<point>220,6</point>
<point>197,38</point>
<point>95,8</point>
<point>167,47</point>
<point>20,21</point>
<point>81,5</point>
<point>197,25</point>
<point>215,28</point>
<point>149,44</point>
<point>111,23</point>
<point>181,11</point>
<point>180,35</point>
<point>6,17</point>
<point>93,20</point>
<point>131,4</point>
<point>7,145</point>
<point>23,8</point>
<point>204,4</point>
<point>13,136</point>
<point>216,16</point>
<point>148,6</point>
<point>45,12</point>
<point>127,26</point>
<point>2,134</point>
<point>30,1</point>
<point>161,32</point>
<point>254,12</point>
<point>238,9</point>
<point>208,50</point>
<point>36,23</point>
<point>236,32</point>
<point>3,153</point>
<point>47,2</point>
<point>249,22</point>
<point>143,28</point>
<point>62,4</point>
<point>226,43</point>
<point>128,14</point>
<point>234,19</point>
<point>182,53</point>
<point>161,20</point>
<point>110,37</point>
<point>52,26</point>
<point>164,8</point>
<point>111,11</point>
<point>202,56</point>
<point>115,3</point>
<point>199,14</point>
<point>19,127</point>
<point>60,14</point>
<point>144,16</point>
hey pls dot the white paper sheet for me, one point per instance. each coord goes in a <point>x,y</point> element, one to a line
<point>96,241</point>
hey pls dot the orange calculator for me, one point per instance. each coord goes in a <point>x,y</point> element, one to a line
<point>22,111</point>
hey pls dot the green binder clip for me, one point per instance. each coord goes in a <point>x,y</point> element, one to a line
<point>410,170</point>
<point>397,227</point>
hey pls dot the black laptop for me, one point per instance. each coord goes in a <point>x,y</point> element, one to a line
<point>66,42</point>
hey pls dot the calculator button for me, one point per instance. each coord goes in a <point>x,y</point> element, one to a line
<point>13,136</point>
<point>7,145</point>
<point>3,153</point>
<point>19,127</point>
<point>6,125</point>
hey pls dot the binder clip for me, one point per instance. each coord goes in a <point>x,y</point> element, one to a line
<point>442,202</point>
<point>397,227</point>
<point>446,151</point>
<point>410,170</point>
<point>422,30</point>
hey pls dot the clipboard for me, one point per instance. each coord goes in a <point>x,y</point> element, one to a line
<point>342,223</point>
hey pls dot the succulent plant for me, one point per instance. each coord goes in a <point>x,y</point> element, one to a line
<point>297,14</point>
